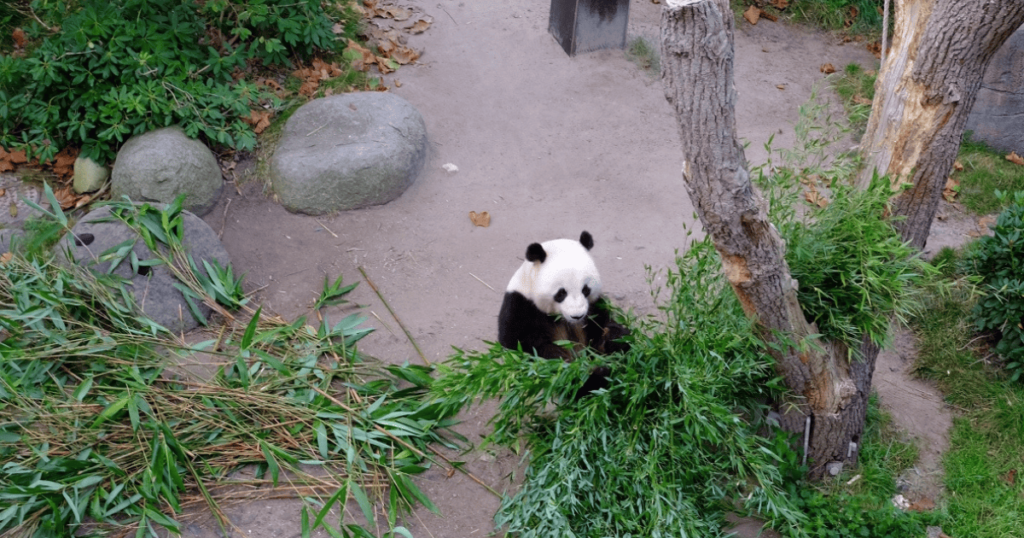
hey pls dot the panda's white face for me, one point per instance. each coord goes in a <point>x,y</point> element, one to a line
<point>565,283</point>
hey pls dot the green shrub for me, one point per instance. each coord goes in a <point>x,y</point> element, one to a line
<point>123,67</point>
<point>999,260</point>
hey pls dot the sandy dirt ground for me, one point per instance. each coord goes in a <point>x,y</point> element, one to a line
<point>549,145</point>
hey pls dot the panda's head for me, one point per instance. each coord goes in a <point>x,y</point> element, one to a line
<point>560,277</point>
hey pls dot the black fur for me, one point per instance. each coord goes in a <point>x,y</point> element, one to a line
<point>587,240</point>
<point>535,253</point>
<point>522,324</point>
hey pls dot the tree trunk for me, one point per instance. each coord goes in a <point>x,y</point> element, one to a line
<point>925,92</point>
<point>697,72</point>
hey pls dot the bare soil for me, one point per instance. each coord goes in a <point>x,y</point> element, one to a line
<point>547,144</point>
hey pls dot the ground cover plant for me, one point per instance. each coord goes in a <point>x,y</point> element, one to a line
<point>123,67</point>
<point>854,271</point>
<point>984,491</point>
<point>105,427</point>
<point>999,262</point>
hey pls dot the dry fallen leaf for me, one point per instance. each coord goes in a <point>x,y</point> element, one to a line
<point>3,192</point>
<point>338,29</point>
<point>987,222</point>
<point>398,83</point>
<point>769,16</point>
<point>18,157</point>
<point>259,119</point>
<point>64,162</point>
<point>1015,159</point>
<point>1010,477</point>
<point>480,219</point>
<point>951,190</point>
<point>813,196</point>
<point>870,73</point>
<point>405,55</point>
<point>752,14</point>
<point>854,12</point>
<point>875,48</point>
<point>780,4</point>
<point>365,59</point>
<point>828,69</point>
<point>6,257</point>
<point>780,86</point>
<point>19,38</point>
<point>386,65</point>
<point>395,12</point>
<point>419,26</point>
<point>959,167</point>
<point>858,99</point>
<point>923,505</point>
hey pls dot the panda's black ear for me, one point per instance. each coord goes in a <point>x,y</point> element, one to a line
<point>586,240</point>
<point>535,253</point>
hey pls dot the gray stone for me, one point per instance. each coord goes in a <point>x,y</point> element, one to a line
<point>997,117</point>
<point>89,175</point>
<point>13,208</point>
<point>153,289</point>
<point>347,152</point>
<point>159,165</point>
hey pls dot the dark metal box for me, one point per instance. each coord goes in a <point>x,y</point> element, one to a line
<point>586,25</point>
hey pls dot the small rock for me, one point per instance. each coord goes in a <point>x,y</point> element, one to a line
<point>89,175</point>
<point>834,468</point>
<point>159,165</point>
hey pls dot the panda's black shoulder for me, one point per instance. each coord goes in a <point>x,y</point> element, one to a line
<point>521,322</point>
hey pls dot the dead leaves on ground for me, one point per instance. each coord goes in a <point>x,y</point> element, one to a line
<point>480,219</point>
<point>1015,159</point>
<point>951,190</point>
<point>19,38</point>
<point>259,119</point>
<point>387,36</point>
<point>828,69</point>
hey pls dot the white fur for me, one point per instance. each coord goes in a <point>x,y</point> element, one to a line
<point>568,265</point>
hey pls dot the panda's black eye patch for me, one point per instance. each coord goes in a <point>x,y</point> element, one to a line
<point>586,291</point>
<point>560,296</point>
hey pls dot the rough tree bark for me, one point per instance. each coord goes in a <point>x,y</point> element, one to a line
<point>925,92</point>
<point>697,72</point>
<point>831,392</point>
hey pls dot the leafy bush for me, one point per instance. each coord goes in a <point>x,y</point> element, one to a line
<point>122,67</point>
<point>666,449</point>
<point>999,260</point>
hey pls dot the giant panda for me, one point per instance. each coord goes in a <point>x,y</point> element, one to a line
<point>556,295</point>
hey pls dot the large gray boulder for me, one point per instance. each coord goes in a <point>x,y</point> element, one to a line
<point>347,152</point>
<point>159,165</point>
<point>152,287</point>
<point>997,117</point>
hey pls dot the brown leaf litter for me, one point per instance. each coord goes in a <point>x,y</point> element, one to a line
<point>480,219</point>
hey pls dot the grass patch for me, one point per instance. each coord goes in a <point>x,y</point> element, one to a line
<point>985,171</point>
<point>985,495</point>
<point>856,88</point>
<point>852,17</point>
<point>645,55</point>
<point>858,17</point>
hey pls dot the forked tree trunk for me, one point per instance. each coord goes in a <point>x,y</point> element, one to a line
<point>925,92</point>
<point>697,72</point>
<point>926,104</point>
